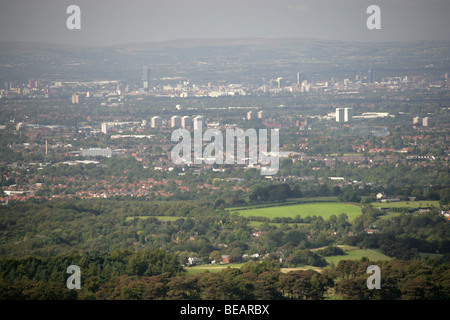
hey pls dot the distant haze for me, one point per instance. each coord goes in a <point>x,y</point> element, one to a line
<point>113,22</point>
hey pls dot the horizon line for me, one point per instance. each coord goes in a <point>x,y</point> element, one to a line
<point>209,39</point>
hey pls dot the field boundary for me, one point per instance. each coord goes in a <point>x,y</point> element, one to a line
<point>302,210</point>
<point>288,202</point>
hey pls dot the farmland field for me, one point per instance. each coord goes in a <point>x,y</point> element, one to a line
<point>355,253</point>
<point>324,209</point>
<point>351,253</point>
<point>212,267</point>
<point>407,204</point>
<point>161,218</point>
<point>290,201</point>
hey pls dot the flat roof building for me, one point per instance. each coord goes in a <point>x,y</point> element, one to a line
<point>145,77</point>
<point>339,114</point>
<point>93,152</point>
<point>186,122</point>
<point>261,114</point>
<point>198,122</point>
<point>175,122</point>
<point>105,128</point>
<point>344,114</point>
<point>348,114</point>
<point>156,122</point>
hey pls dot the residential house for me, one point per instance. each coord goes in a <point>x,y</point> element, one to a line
<point>193,261</point>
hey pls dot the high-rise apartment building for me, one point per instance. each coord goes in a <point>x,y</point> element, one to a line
<point>370,76</point>
<point>156,122</point>
<point>186,122</point>
<point>339,114</point>
<point>105,128</point>
<point>75,98</point>
<point>198,122</point>
<point>261,114</point>
<point>348,114</point>
<point>281,82</point>
<point>299,79</point>
<point>344,114</point>
<point>175,122</point>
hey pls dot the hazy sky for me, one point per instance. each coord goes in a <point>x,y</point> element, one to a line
<point>109,22</point>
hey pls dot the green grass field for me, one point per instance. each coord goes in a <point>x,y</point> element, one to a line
<point>389,215</point>
<point>257,224</point>
<point>324,209</point>
<point>162,218</point>
<point>290,201</point>
<point>212,267</point>
<point>354,253</point>
<point>407,204</point>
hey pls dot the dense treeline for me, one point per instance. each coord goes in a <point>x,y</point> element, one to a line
<point>136,250</point>
<point>111,277</point>
<point>403,236</point>
<point>199,229</point>
<point>405,280</point>
<point>102,265</point>
<point>275,192</point>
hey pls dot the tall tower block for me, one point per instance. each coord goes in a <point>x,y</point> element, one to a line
<point>145,78</point>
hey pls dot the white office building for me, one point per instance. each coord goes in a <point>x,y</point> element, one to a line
<point>93,152</point>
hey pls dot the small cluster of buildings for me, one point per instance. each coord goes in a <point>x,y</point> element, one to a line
<point>176,121</point>
<point>417,121</point>
<point>255,115</point>
<point>344,114</point>
<point>185,122</point>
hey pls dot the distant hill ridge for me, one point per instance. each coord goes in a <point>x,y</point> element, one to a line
<point>218,42</point>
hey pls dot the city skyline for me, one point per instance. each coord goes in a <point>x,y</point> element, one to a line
<point>259,156</point>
